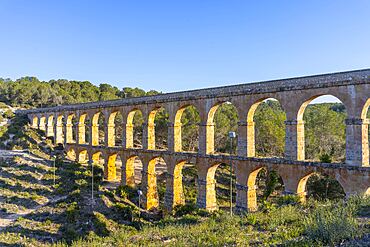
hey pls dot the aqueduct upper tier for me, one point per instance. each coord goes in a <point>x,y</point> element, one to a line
<point>294,94</point>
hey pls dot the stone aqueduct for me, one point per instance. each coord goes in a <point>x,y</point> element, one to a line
<point>352,88</point>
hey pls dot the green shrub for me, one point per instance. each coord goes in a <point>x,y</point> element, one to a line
<point>72,212</point>
<point>288,200</point>
<point>332,224</point>
<point>125,191</point>
<point>181,210</point>
<point>100,224</point>
<point>8,114</point>
<point>267,206</point>
<point>325,158</point>
<point>125,211</point>
<point>69,232</point>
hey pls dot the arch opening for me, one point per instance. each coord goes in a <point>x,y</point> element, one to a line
<point>35,122</point>
<point>158,120</point>
<point>42,123</point>
<point>71,154</point>
<point>112,169</point>
<point>156,182</point>
<point>83,157</point>
<point>266,129</point>
<point>186,129</point>
<point>132,175</point>
<point>365,133</point>
<point>222,174</point>
<point>71,131</point>
<point>50,126</point>
<point>323,136</point>
<point>59,132</point>
<point>97,129</point>
<point>114,129</point>
<point>189,182</point>
<point>117,131</point>
<point>224,117</point>
<point>98,159</point>
<point>184,185</point>
<point>263,186</point>
<point>320,186</point>
<point>83,129</point>
<point>134,129</point>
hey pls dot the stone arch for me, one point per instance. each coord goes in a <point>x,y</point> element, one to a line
<point>210,125</point>
<point>301,128</point>
<point>251,125</point>
<point>181,183</point>
<point>83,156</point>
<point>211,182</point>
<point>96,157</point>
<point>302,184</point>
<point>97,130</point>
<point>35,122</point>
<point>177,186</point>
<point>42,123</point>
<point>129,173</point>
<point>131,129</point>
<point>149,184</point>
<point>71,154</point>
<point>50,125</point>
<point>211,200</point>
<point>70,134</point>
<point>181,141</point>
<point>155,141</point>
<point>252,185</point>
<point>251,189</point>
<point>365,133</point>
<point>222,185</point>
<point>114,129</point>
<point>59,134</point>
<point>83,129</point>
<point>110,167</point>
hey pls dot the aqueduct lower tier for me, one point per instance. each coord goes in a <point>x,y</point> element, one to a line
<point>352,88</point>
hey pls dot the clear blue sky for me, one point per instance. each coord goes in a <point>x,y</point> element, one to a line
<point>179,45</point>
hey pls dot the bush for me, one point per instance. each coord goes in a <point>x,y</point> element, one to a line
<point>125,211</point>
<point>288,200</point>
<point>181,210</point>
<point>325,158</point>
<point>100,224</point>
<point>332,224</point>
<point>72,212</point>
<point>8,114</point>
<point>267,206</point>
<point>125,191</point>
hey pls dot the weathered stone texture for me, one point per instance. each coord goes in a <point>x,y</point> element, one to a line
<point>352,88</point>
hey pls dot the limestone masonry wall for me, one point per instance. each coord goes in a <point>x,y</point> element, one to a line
<point>294,94</point>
